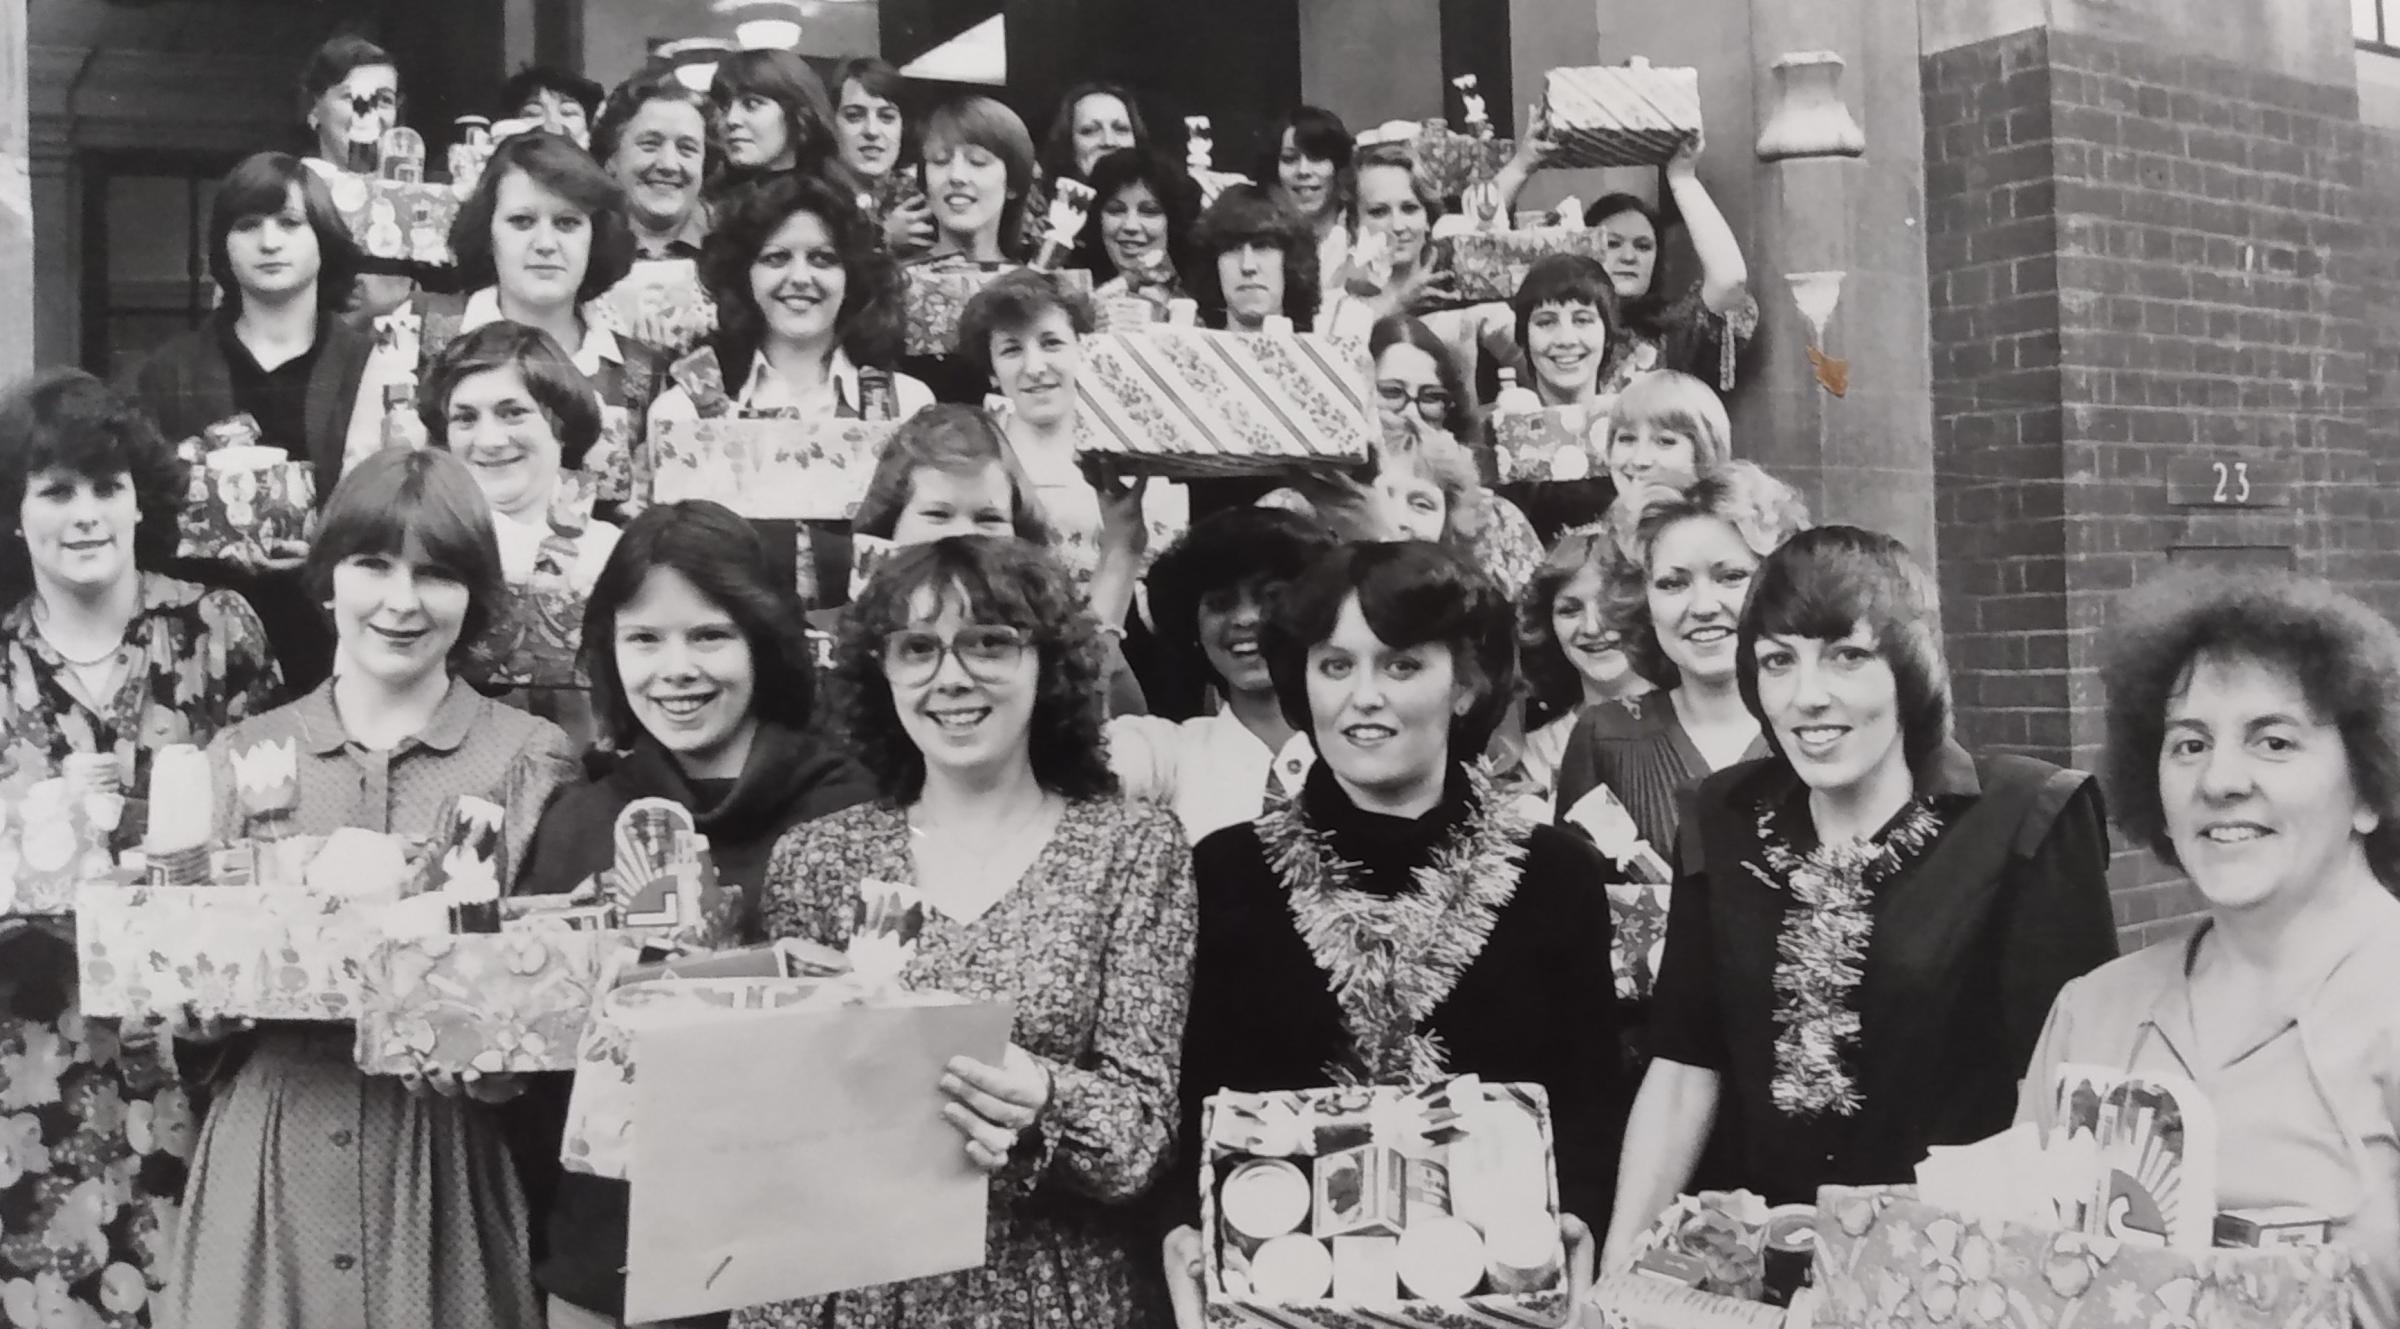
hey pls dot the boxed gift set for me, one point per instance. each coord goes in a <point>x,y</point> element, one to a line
<point>54,838</point>
<point>246,501</point>
<point>661,302</point>
<point>1485,266</point>
<point>1622,115</point>
<point>1552,444</point>
<point>768,469</point>
<point>936,293</point>
<point>399,221</point>
<point>1379,1206</point>
<point>1188,403</point>
<point>1716,1258</point>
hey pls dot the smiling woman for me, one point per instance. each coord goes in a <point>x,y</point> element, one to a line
<point>657,139</point>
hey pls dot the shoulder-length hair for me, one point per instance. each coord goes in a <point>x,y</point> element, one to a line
<point>1667,399</point>
<point>418,504</point>
<point>976,121</point>
<point>1317,133</point>
<point>1555,685</point>
<point>877,77</point>
<point>1463,420</point>
<point>723,558</point>
<point>955,440</point>
<point>2343,656</point>
<point>1396,156</point>
<point>1058,146</point>
<point>1412,593</point>
<point>785,79</point>
<point>65,419</point>
<point>259,186</point>
<point>334,61</point>
<point>1644,311</point>
<point>1826,583</point>
<point>1241,548</point>
<point>1566,279</point>
<point>868,325</point>
<point>1178,198</point>
<point>1763,510</point>
<point>556,164</point>
<point>565,396</point>
<point>1011,304</point>
<point>1246,214</point>
<point>993,581</point>
<point>656,85</point>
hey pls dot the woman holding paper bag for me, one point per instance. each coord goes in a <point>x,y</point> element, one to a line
<point>2254,745</point>
<point>319,1195</point>
<point>1868,923</point>
<point>102,663</point>
<point>975,681</point>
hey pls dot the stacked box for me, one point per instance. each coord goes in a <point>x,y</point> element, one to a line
<point>1193,404</point>
<point>1634,115</point>
<point>768,469</point>
<point>248,952</point>
<point>506,1002</point>
<point>399,221</point>
<point>1490,265</point>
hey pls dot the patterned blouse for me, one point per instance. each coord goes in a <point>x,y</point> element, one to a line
<point>96,1133</point>
<point>1095,947</point>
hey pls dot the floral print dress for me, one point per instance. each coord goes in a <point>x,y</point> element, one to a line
<point>1094,945</point>
<point>96,1132</point>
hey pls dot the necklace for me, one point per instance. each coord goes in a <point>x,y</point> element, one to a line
<point>102,658</point>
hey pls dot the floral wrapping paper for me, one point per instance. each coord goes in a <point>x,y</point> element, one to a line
<point>1453,162</point>
<point>249,514</point>
<point>399,222</point>
<point>1629,115</point>
<point>619,463</point>
<point>507,1002</point>
<point>599,1131</point>
<point>936,294</point>
<point>1547,445</point>
<point>769,469</point>
<point>536,639</point>
<point>46,859</point>
<point>662,302</point>
<point>1490,265</point>
<point>1190,403</point>
<point>261,953</point>
<point>1886,1260</point>
<point>1343,1117</point>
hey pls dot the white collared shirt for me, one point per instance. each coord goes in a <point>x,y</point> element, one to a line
<point>1211,770</point>
<point>599,341</point>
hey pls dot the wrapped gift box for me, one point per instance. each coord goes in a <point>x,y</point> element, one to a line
<point>768,469</point>
<point>662,302</point>
<point>399,221</point>
<point>1885,1257</point>
<point>536,639</point>
<point>244,501</point>
<point>1454,162</point>
<point>937,294</point>
<point>263,953</point>
<point>503,1002</point>
<point>1491,265</point>
<point>1316,1126</point>
<point>51,845</point>
<point>1548,445</point>
<point>1630,115</point>
<point>1193,404</point>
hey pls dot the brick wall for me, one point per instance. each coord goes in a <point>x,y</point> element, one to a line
<point>2142,264</point>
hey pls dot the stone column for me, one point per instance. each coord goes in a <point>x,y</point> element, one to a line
<point>16,199</point>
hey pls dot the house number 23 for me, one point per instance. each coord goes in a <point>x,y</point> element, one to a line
<point>2233,481</point>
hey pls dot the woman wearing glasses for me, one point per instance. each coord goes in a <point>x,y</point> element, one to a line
<point>974,688</point>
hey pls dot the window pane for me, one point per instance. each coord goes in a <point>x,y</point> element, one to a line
<point>2366,20</point>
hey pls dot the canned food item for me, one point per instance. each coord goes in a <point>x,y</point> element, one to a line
<point>1441,1259</point>
<point>1291,1268</point>
<point>474,131</point>
<point>1366,1270</point>
<point>1523,1252</point>
<point>1426,1186</point>
<point>1360,1192</point>
<point>1790,1241</point>
<point>1261,1200</point>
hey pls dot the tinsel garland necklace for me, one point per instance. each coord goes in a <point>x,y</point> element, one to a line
<point>1823,951</point>
<point>1391,960</point>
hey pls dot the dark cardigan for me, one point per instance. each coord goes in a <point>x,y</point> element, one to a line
<point>1537,1005</point>
<point>186,387</point>
<point>579,1220</point>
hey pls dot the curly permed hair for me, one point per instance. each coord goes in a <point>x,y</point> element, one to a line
<point>997,581</point>
<point>1763,510</point>
<point>868,327</point>
<point>1554,685</point>
<point>2344,656</point>
<point>69,420</point>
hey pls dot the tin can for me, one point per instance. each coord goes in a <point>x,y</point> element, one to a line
<point>473,131</point>
<point>1291,1268</point>
<point>239,431</point>
<point>1790,1241</point>
<point>1360,1192</point>
<point>1523,1253</point>
<point>1441,1259</point>
<point>1261,1200</point>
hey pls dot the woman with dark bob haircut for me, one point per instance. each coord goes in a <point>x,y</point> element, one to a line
<point>2254,746</point>
<point>1308,170</point>
<point>702,680</point>
<point>301,1153</point>
<point>1210,596</point>
<point>776,116</point>
<point>1398,659</point>
<point>974,674</point>
<point>1867,924</point>
<point>1251,258</point>
<point>103,661</point>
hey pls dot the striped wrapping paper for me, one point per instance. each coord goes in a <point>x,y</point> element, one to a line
<point>935,294</point>
<point>768,469</point>
<point>1491,265</point>
<point>1621,115</point>
<point>1191,403</point>
<point>1549,1309</point>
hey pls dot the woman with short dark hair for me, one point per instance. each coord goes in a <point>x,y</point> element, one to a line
<point>1399,659</point>
<point>2254,747</point>
<point>345,79</point>
<point>973,674</point>
<point>873,139</point>
<point>558,100</point>
<point>659,139</point>
<point>1699,331</point>
<point>319,1194</point>
<point>702,679</point>
<point>103,661</point>
<point>777,118</point>
<point>1309,171</point>
<point>278,351</point>
<point>1867,924</point>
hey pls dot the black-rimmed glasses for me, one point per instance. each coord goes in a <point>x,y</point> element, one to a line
<point>986,652</point>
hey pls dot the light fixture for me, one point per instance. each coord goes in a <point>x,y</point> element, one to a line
<point>694,59</point>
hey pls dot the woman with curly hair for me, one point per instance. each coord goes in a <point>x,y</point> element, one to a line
<point>2254,746</point>
<point>974,681</point>
<point>1571,626</point>
<point>1252,260</point>
<point>1866,924</point>
<point>1399,659</point>
<point>103,660</point>
<point>1138,238</point>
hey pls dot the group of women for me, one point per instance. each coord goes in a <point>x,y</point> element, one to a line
<point>1669,819</point>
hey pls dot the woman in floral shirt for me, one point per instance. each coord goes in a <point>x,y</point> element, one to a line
<point>98,658</point>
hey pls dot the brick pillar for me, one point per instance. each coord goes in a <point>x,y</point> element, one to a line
<point>2149,345</point>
